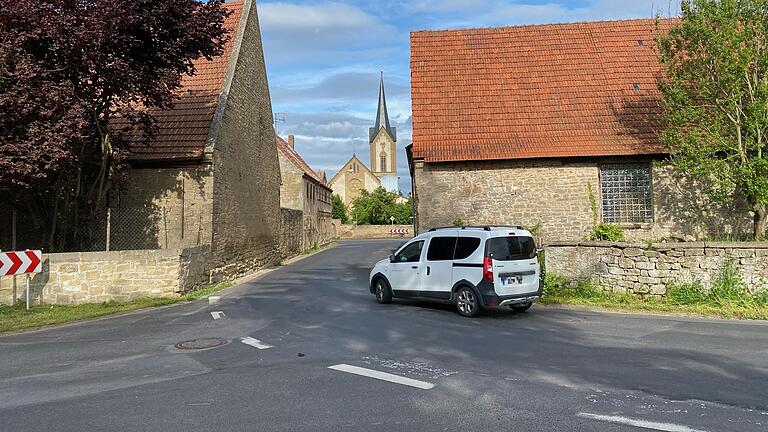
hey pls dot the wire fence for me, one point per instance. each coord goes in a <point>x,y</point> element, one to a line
<point>112,229</point>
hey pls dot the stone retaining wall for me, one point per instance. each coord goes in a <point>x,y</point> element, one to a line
<point>94,277</point>
<point>373,231</point>
<point>648,269</point>
<point>291,232</point>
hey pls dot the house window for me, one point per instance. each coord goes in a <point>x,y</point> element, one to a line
<point>626,193</point>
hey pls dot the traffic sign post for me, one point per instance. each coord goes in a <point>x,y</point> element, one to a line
<point>18,263</point>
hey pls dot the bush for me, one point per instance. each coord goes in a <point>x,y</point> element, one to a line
<point>607,232</point>
<point>729,287</point>
<point>338,209</point>
<point>459,223</point>
<point>687,293</point>
<point>377,207</point>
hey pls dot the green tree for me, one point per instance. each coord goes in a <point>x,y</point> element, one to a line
<point>377,207</point>
<point>715,98</point>
<point>339,210</point>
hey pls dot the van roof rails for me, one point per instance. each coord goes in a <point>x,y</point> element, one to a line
<point>484,228</point>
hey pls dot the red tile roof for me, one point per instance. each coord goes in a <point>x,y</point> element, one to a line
<point>299,162</point>
<point>541,91</point>
<point>183,129</point>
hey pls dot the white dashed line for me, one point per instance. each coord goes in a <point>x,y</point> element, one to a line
<point>217,315</point>
<point>255,343</point>
<point>666,427</point>
<point>383,376</point>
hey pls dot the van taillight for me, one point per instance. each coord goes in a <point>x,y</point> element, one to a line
<point>488,269</point>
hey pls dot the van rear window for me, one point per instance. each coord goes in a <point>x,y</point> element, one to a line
<point>512,248</point>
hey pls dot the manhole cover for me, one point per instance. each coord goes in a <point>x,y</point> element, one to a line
<point>199,344</point>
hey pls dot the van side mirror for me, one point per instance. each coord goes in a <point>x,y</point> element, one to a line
<point>392,258</point>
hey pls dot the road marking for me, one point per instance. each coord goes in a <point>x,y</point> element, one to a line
<point>213,300</point>
<point>666,427</point>
<point>255,343</point>
<point>370,373</point>
<point>217,315</point>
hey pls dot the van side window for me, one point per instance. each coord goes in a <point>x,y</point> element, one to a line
<point>465,247</point>
<point>411,253</point>
<point>441,249</point>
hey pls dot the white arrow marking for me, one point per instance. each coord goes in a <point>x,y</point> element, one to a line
<point>383,376</point>
<point>25,263</point>
<point>217,315</point>
<point>665,427</point>
<point>255,343</point>
<point>5,264</point>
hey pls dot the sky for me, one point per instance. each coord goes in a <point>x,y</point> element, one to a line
<point>323,61</point>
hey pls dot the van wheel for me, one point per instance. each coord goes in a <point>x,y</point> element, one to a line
<point>467,302</point>
<point>383,293</point>
<point>521,307</point>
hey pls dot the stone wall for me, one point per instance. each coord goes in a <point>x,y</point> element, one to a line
<point>95,277</point>
<point>166,208</point>
<point>246,197</point>
<point>372,231</point>
<point>292,187</point>
<point>291,232</point>
<point>554,194</point>
<point>648,269</point>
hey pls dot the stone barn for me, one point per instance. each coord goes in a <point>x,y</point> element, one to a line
<point>211,175</point>
<point>550,126</point>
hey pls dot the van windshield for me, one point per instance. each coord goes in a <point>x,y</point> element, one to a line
<point>512,248</point>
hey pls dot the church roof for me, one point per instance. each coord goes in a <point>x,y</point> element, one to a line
<point>354,158</point>
<point>382,115</point>
<point>537,91</point>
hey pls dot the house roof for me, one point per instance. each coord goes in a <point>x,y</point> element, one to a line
<point>183,130</point>
<point>540,91</point>
<point>293,156</point>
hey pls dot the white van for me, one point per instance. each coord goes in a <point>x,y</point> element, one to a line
<point>471,267</point>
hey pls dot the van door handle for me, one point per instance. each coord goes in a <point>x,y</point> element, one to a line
<point>414,267</point>
<point>427,270</point>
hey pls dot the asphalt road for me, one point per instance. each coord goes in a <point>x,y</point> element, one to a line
<point>549,369</point>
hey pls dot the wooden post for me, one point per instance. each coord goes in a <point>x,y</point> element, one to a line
<point>109,226</point>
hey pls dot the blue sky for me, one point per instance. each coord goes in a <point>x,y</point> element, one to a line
<point>323,60</point>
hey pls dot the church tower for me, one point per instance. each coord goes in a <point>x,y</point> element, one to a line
<point>383,144</point>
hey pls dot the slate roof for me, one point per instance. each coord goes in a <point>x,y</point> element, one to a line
<point>183,129</point>
<point>299,162</point>
<point>539,91</point>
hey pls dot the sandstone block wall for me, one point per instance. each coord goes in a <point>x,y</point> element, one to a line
<point>166,208</point>
<point>648,269</point>
<point>246,189</point>
<point>291,232</point>
<point>554,194</point>
<point>361,232</point>
<point>95,277</point>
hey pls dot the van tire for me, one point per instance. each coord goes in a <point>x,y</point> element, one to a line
<point>521,307</point>
<point>382,291</point>
<point>467,302</point>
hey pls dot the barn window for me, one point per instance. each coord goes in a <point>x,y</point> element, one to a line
<point>626,193</point>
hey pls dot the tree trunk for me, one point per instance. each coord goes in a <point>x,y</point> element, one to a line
<point>760,222</point>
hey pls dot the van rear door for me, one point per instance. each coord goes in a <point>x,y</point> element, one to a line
<point>515,264</point>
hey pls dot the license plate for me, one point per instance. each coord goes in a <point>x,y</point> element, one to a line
<point>514,280</point>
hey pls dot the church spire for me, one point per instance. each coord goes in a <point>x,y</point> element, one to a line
<point>382,116</point>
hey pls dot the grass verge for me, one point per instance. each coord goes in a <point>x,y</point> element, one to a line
<point>727,298</point>
<point>13,318</point>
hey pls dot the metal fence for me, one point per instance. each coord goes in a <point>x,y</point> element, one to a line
<point>112,229</point>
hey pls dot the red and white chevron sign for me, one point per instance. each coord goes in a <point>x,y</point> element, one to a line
<point>16,263</point>
<point>399,231</point>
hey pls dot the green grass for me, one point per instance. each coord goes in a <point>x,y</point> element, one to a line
<point>13,318</point>
<point>727,298</point>
<point>318,248</point>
